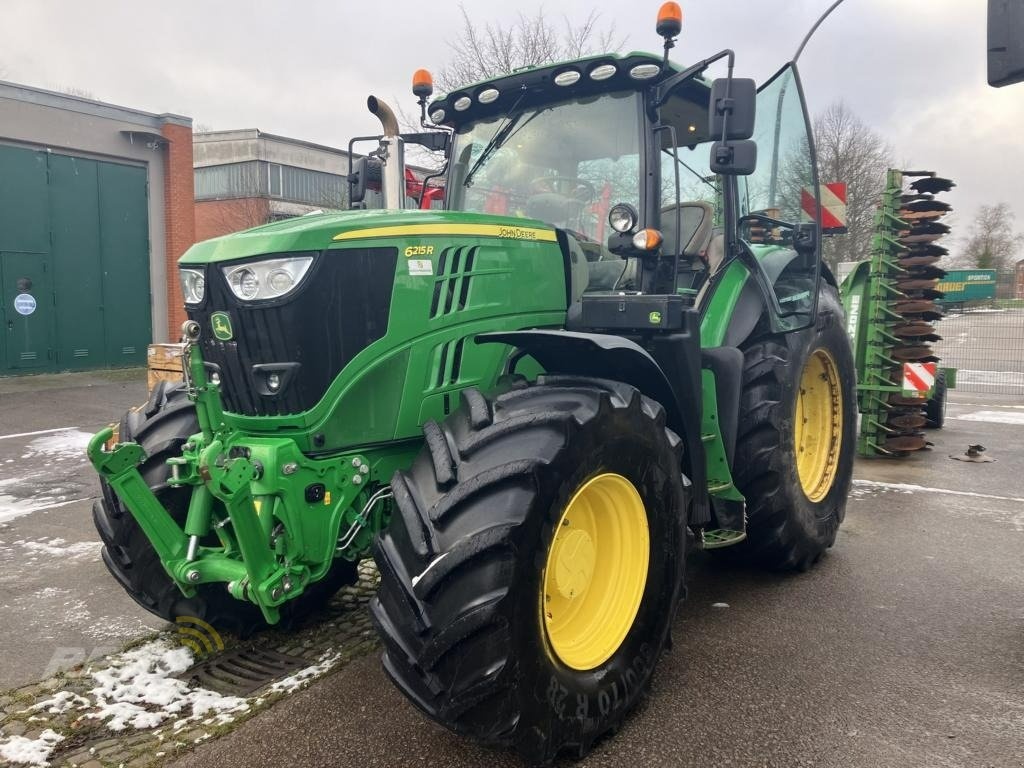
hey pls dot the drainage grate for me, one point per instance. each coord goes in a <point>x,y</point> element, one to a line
<point>241,671</point>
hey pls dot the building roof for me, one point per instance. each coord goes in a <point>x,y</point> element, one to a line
<point>71,103</point>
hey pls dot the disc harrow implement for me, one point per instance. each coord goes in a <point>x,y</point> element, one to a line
<point>892,310</point>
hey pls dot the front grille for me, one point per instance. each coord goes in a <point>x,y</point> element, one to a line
<point>341,307</point>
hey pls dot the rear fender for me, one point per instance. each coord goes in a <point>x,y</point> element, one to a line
<point>750,304</point>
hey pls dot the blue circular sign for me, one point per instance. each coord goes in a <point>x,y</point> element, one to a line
<point>24,303</point>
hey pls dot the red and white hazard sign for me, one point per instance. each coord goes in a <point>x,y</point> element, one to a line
<point>833,206</point>
<point>918,377</point>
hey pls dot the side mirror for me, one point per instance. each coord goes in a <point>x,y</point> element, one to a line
<point>740,107</point>
<point>734,158</point>
<point>357,183</point>
<point>1005,42</point>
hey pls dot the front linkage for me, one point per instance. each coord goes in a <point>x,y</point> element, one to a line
<point>276,531</point>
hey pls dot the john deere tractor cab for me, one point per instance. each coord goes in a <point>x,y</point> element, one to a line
<point>617,338</point>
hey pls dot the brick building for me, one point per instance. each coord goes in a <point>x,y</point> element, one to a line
<point>244,178</point>
<point>96,206</point>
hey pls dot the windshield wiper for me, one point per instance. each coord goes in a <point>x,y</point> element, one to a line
<point>691,170</point>
<point>500,137</point>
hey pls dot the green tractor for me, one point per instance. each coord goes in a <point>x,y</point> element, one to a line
<point>616,342</point>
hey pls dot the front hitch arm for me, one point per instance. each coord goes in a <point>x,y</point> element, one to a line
<point>119,468</point>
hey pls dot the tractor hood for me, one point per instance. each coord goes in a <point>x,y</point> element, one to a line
<point>320,231</point>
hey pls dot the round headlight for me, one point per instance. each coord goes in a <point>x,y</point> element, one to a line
<point>193,286</point>
<point>568,77</point>
<point>622,217</point>
<point>245,283</point>
<point>437,115</point>
<point>603,71</point>
<point>462,103</point>
<point>280,281</point>
<point>488,96</point>
<point>644,71</point>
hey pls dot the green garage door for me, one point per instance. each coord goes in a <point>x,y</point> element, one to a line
<point>74,262</point>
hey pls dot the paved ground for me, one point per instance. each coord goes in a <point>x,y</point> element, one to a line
<point>904,648</point>
<point>58,604</point>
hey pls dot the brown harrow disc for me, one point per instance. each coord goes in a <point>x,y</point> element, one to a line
<point>916,328</point>
<point>926,204</point>
<point>913,353</point>
<point>921,215</point>
<point>932,184</point>
<point>914,306</point>
<point>913,260</point>
<point>928,249</point>
<point>906,402</point>
<point>907,421</point>
<point>913,442</point>
<point>927,273</point>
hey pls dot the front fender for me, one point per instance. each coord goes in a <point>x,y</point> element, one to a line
<point>605,356</point>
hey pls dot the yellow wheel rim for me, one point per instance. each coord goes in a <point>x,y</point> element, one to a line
<point>818,425</point>
<point>596,571</point>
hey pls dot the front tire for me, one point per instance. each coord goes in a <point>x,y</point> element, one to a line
<point>512,604</point>
<point>795,451</point>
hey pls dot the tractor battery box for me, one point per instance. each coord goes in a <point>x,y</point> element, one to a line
<point>634,312</point>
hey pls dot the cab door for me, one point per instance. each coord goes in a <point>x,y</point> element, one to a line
<point>784,187</point>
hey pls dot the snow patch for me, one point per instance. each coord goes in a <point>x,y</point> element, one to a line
<point>67,444</point>
<point>61,702</point>
<point>1017,520</point>
<point>60,548</point>
<point>303,676</point>
<point>18,749</point>
<point>993,417</point>
<point>12,507</point>
<point>137,691</point>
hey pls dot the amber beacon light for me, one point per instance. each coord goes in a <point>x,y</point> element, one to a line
<point>670,20</point>
<point>422,84</point>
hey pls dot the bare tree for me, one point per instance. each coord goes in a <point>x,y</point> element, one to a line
<point>850,151</point>
<point>991,242</point>
<point>482,51</point>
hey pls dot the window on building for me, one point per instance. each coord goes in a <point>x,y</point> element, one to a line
<point>259,178</point>
<point>227,181</point>
<point>274,182</point>
<point>325,190</point>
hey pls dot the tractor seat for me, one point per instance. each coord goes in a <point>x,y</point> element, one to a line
<point>697,218</point>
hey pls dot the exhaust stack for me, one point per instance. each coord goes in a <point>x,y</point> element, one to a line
<point>392,155</point>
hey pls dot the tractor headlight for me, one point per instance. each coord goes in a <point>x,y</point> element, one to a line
<point>193,285</point>
<point>622,217</point>
<point>268,279</point>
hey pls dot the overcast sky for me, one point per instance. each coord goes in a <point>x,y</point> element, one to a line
<point>914,70</point>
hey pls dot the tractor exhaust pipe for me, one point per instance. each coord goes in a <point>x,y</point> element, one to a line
<point>392,155</point>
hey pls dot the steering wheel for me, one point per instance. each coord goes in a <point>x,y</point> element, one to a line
<point>566,186</point>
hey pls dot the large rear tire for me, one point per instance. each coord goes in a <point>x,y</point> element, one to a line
<point>531,571</point>
<point>161,427</point>
<point>795,450</point>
